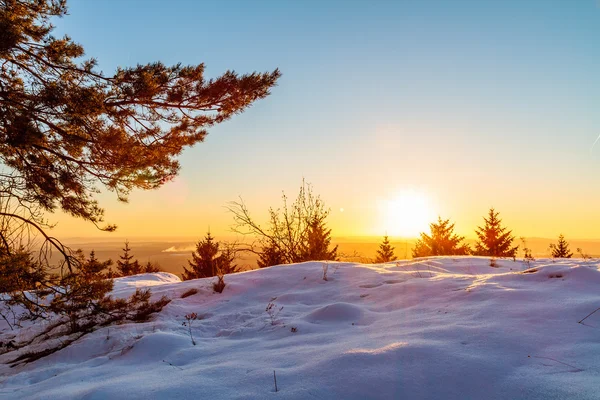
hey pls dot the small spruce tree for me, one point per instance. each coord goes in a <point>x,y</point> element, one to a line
<point>385,252</point>
<point>226,260</point>
<point>494,239</point>
<point>441,242</point>
<point>316,247</point>
<point>127,265</point>
<point>203,263</point>
<point>270,255</point>
<point>93,266</point>
<point>209,260</point>
<point>151,267</point>
<point>561,249</point>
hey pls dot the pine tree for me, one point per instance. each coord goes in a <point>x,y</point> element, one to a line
<point>151,267</point>
<point>527,255</point>
<point>127,266</point>
<point>385,252</point>
<point>67,125</point>
<point>270,255</point>
<point>68,130</point>
<point>494,239</point>
<point>210,260</point>
<point>561,250</point>
<point>441,242</point>
<point>19,272</point>
<point>93,266</point>
<point>226,261</point>
<point>202,264</point>
<point>318,240</point>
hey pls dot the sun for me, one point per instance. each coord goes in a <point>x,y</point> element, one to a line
<point>408,214</point>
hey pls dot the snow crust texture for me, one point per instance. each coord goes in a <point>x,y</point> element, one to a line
<point>436,328</point>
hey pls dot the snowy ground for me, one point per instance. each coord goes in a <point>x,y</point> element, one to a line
<point>439,328</point>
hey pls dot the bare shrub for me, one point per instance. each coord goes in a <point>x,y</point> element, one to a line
<point>583,254</point>
<point>220,284</point>
<point>146,308</point>
<point>527,256</point>
<point>189,318</point>
<point>273,312</point>
<point>295,232</point>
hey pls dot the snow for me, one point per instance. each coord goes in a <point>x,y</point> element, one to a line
<point>436,328</point>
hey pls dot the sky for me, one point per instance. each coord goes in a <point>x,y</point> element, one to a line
<point>395,111</point>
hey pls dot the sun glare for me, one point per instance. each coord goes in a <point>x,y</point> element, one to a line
<point>408,214</point>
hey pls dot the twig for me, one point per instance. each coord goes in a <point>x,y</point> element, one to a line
<point>189,319</point>
<point>589,315</point>
<point>560,362</point>
<point>336,268</point>
<point>174,366</point>
<point>273,311</point>
<point>275,379</point>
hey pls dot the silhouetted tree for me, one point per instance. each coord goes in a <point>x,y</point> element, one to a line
<point>126,265</point>
<point>441,242</point>
<point>385,252</point>
<point>270,255</point>
<point>561,249</point>
<point>151,267</point>
<point>316,246</point>
<point>93,266</point>
<point>209,259</point>
<point>295,233</point>
<point>203,259</point>
<point>494,239</point>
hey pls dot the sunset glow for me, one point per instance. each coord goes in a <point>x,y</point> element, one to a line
<point>463,136</point>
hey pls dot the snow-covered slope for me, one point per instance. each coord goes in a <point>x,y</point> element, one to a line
<point>439,328</point>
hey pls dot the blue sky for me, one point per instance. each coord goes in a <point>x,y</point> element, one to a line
<point>471,103</point>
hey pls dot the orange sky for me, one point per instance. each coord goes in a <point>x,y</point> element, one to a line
<point>176,211</point>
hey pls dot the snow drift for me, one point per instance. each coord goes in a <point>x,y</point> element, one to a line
<point>437,328</point>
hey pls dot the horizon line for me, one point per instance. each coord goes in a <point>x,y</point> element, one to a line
<point>334,237</point>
